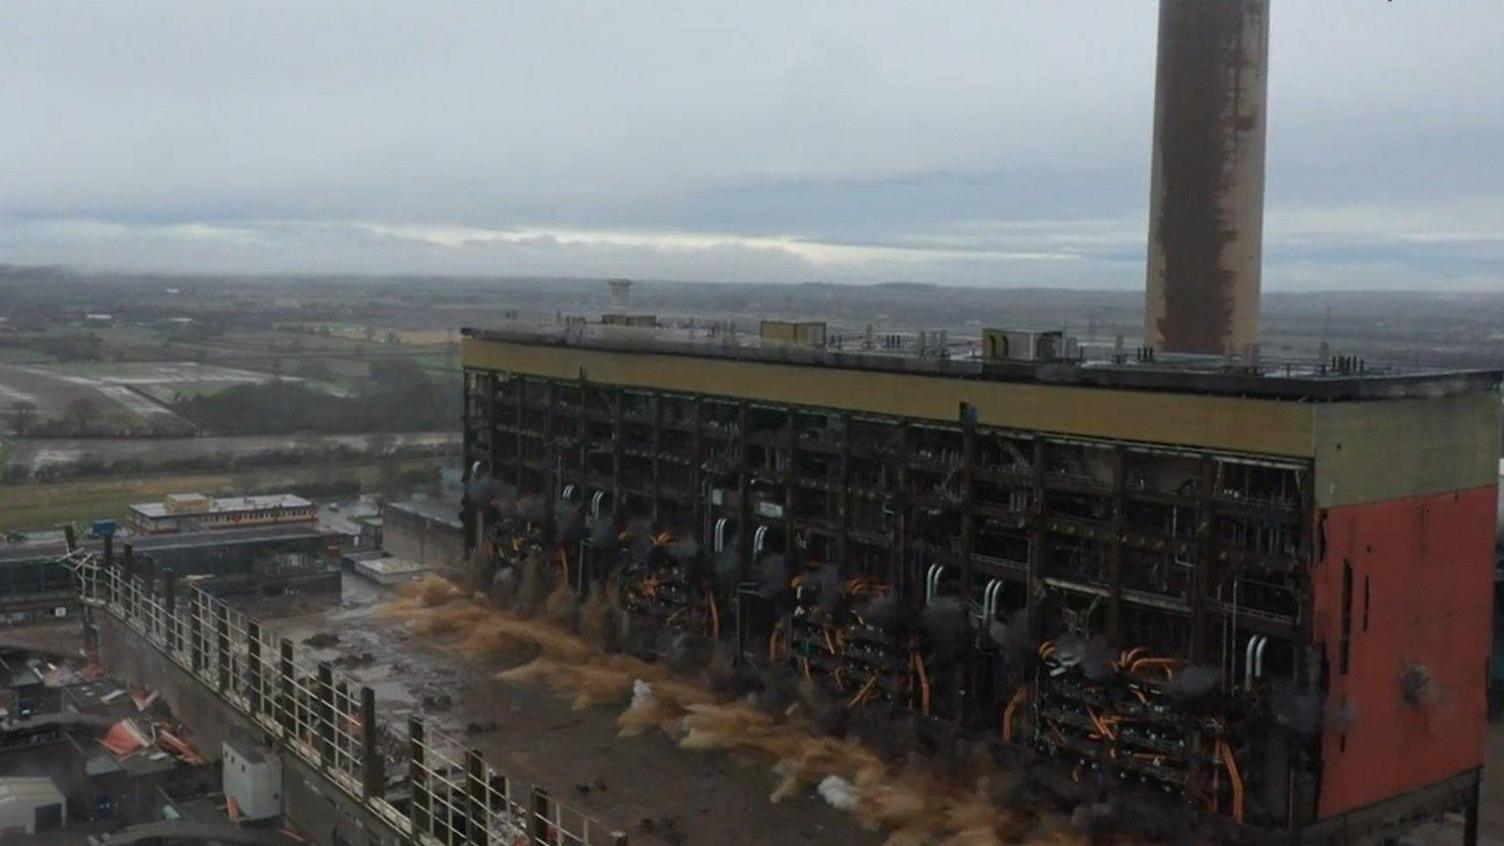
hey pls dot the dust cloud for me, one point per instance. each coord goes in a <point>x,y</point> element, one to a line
<point>914,795</point>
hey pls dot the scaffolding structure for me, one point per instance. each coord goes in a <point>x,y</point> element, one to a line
<point>428,786</point>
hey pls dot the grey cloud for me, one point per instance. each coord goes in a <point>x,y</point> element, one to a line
<point>965,142</point>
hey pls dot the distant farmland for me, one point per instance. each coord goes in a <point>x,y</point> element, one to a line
<point>139,390</point>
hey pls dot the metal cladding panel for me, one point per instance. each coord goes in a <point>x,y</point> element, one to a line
<point>1235,424</point>
<point>1407,586</point>
<point>1377,451</point>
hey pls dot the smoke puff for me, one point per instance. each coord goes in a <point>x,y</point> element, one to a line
<point>780,688</point>
<point>603,532</point>
<point>686,652</point>
<point>1013,638</point>
<point>504,506</point>
<point>684,549</point>
<point>531,508</point>
<point>1300,710</point>
<point>1069,649</point>
<point>639,539</point>
<point>884,612</point>
<point>1096,660</point>
<point>727,564</point>
<point>1417,686</point>
<point>1094,819</point>
<point>946,625</point>
<point>826,582</point>
<point>1193,682</point>
<point>1341,717</point>
<point>773,575</point>
<point>831,719</point>
<point>1144,814</point>
<point>504,582</point>
<point>570,520</point>
<point>838,792</point>
<point>487,489</point>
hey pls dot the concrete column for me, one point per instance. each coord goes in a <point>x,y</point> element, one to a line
<point>538,825</point>
<point>222,646</point>
<point>148,584</point>
<point>253,658</point>
<point>128,583</point>
<point>286,671</point>
<point>324,710</point>
<point>477,807</point>
<point>196,631</point>
<point>1206,202</point>
<point>967,415</point>
<point>106,571</point>
<point>373,775</point>
<point>422,805</point>
<point>1036,544</point>
<point>170,609</point>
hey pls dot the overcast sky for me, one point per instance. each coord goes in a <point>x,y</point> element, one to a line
<point>990,142</point>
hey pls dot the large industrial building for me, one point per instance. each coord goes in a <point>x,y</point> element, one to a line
<point>1264,589</point>
<point>1266,593</point>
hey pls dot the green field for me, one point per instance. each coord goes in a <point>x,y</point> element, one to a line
<point>17,355</point>
<point>31,507</point>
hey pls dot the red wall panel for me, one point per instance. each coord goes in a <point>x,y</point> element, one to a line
<point>1421,595</point>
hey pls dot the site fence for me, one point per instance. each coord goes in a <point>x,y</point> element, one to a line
<point>449,795</point>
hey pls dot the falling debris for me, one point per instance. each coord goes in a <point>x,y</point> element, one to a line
<point>777,722</point>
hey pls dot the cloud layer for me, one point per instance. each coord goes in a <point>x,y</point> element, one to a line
<point>973,142</point>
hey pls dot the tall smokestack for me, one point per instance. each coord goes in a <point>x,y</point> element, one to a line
<point>1206,203</point>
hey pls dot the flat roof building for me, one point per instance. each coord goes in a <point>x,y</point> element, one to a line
<point>185,512</point>
<point>32,584</point>
<point>425,530</point>
<point>30,805</point>
<point>1187,573</point>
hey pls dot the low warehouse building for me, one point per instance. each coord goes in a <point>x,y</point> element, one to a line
<point>30,805</point>
<point>424,530</point>
<point>190,512</point>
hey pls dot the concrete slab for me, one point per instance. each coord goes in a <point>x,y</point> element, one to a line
<point>539,739</point>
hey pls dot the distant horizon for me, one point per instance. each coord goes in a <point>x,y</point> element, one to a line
<point>332,276</point>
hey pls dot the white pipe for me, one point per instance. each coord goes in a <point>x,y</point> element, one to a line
<point>932,582</point>
<point>1253,659</point>
<point>595,505</point>
<point>1248,660</point>
<point>757,540</point>
<point>720,534</point>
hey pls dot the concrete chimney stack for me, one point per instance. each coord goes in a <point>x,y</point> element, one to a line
<point>1206,204</point>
